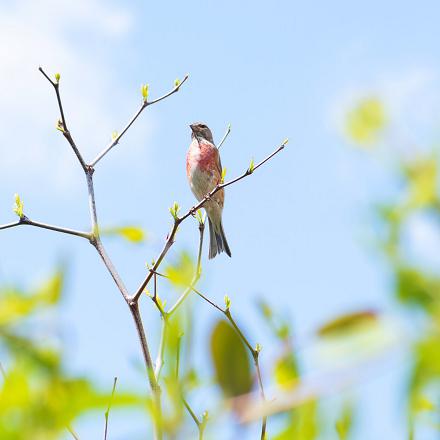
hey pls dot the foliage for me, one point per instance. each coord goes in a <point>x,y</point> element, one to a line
<point>38,399</point>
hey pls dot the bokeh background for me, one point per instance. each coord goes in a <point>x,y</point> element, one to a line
<point>303,231</point>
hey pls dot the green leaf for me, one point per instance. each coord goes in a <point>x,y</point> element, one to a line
<point>346,324</point>
<point>133,234</point>
<point>18,206</point>
<point>15,304</point>
<point>182,272</point>
<point>251,167</point>
<point>231,360</point>
<point>57,77</point>
<point>286,371</point>
<point>345,422</point>
<point>366,121</point>
<point>177,82</point>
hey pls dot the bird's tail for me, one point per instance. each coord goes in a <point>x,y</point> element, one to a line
<point>217,239</point>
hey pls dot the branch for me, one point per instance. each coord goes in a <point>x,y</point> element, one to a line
<point>170,238</point>
<point>255,352</point>
<point>197,274</point>
<point>108,408</point>
<point>228,130</point>
<point>201,424</point>
<point>144,105</point>
<point>26,221</point>
<point>63,125</point>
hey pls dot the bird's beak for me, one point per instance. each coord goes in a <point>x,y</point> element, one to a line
<point>191,127</point>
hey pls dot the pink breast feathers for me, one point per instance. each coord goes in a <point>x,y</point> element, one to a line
<point>208,159</point>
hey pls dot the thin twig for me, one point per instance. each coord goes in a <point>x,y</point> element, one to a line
<point>254,352</point>
<point>72,432</point>
<point>109,406</point>
<point>144,105</point>
<point>63,128</point>
<point>228,130</point>
<point>27,221</point>
<point>196,276</point>
<point>178,220</point>
<point>201,424</point>
<point>159,359</point>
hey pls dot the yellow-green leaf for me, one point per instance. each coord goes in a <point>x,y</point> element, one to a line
<point>133,234</point>
<point>182,272</point>
<point>231,360</point>
<point>366,121</point>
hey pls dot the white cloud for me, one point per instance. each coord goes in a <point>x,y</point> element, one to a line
<point>60,36</point>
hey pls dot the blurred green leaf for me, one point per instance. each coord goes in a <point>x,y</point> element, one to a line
<point>133,234</point>
<point>345,422</point>
<point>303,424</point>
<point>414,288</point>
<point>365,121</point>
<point>422,175</point>
<point>15,304</point>
<point>286,371</point>
<point>348,323</point>
<point>231,360</point>
<point>182,272</point>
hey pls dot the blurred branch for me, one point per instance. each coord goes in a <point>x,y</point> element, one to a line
<point>196,275</point>
<point>228,130</point>
<point>26,221</point>
<point>178,220</point>
<point>73,433</point>
<point>62,125</point>
<point>109,406</point>
<point>201,424</point>
<point>144,105</point>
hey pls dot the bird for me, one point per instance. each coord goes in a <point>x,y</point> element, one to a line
<point>204,172</point>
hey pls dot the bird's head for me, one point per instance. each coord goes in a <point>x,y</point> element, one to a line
<point>201,131</point>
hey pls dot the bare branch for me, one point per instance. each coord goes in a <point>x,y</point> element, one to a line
<point>63,126</point>
<point>170,238</point>
<point>248,172</point>
<point>228,130</point>
<point>144,105</point>
<point>26,221</point>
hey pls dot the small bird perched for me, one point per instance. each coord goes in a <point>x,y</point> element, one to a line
<point>204,172</point>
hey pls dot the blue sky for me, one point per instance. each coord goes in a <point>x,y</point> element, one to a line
<point>300,229</point>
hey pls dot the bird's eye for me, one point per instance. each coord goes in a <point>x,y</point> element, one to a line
<point>203,126</point>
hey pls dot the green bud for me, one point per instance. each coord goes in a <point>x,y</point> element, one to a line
<point>200,217</point>
<point>114,135</point>
<point>57,77</point>
<point>285,142</point>
<point>223,175</point>
<point>205,416</point>
<point>18,206</point>
<point>60,126</point>
<point>177,82</point>
<point>251,167</point>
<point>174,210</point>
<point>144,90</point>
<point>258,348</point>
<point>227,302</point>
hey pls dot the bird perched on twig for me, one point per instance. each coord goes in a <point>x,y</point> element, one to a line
<point>204,171</point>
